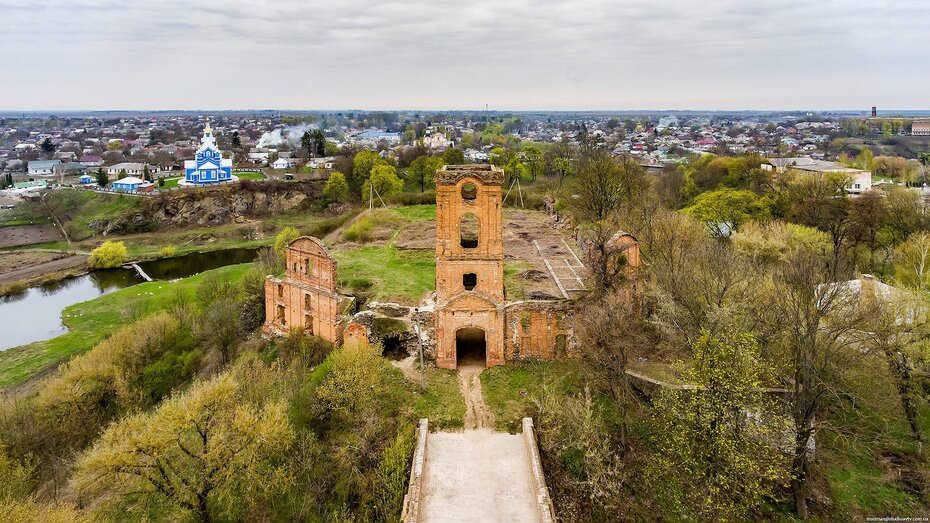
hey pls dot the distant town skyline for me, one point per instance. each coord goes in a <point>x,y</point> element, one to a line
<point>442,55</point>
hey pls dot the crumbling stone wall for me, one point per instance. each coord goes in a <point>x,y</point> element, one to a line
<point>306,296</point>
<point>539,330</point>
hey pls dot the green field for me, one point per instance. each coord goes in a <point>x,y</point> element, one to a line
<point>387,273</point>
<point>509,390</point>
<point>172,182</point>
<point>91,321</point>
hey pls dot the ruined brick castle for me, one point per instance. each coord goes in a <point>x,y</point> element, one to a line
<point>470,317</point>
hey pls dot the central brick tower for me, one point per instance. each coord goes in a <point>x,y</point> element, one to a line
<point>469,265</point>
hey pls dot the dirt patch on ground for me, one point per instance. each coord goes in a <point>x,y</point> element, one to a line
<point>417,235</point>
<point>19,266</point>
<point>408,366</point>
<point>477,413</point>
<point>28,234</point>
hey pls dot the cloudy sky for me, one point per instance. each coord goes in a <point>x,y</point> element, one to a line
<point>442,54</point>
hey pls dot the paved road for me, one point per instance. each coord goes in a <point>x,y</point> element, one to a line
<point>479,476</point>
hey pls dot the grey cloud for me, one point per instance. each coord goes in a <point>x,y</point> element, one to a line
<point>445,53</point>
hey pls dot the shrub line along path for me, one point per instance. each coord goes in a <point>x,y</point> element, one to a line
<point>478,474</point>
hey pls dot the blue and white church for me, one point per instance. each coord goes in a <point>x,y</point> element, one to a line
<point>209,167</point>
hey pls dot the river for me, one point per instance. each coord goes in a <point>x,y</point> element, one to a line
<point>34,314</point>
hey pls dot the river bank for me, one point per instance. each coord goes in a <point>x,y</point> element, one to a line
<point>87,322</point>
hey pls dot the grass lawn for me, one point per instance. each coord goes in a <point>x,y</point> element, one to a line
<point>513,283</point>
<point>416,213</point>
<point>387,273</point>
<point>509,390</point>
<point>871,464</point>
<point>93,320</point>
<point>84,207</point>
<point>250,176</point>
<point>442,403</point>
<point>170,182</point>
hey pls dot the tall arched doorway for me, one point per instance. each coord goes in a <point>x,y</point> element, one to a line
<point>470,346</point>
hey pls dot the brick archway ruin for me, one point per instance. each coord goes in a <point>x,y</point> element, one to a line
<point>469,263</point>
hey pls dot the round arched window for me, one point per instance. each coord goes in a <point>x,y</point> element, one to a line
<point>469,191</point>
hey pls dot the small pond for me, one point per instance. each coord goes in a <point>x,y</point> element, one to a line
<point>34,314</point>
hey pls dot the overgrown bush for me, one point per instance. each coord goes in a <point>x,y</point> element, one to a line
<point>220,453</point>
<point>167,251</point>
<point>132,369</point>
<point>109,254</point>
<point>412,198</point>
<point>360,231</point>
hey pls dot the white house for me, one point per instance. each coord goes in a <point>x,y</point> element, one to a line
<point>860,180</point>
<point>43,167</point>
<point>260,158</point>
<point>132,169</point>
<point>283,163</point>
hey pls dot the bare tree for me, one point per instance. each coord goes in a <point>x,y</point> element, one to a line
<point>817,313</point>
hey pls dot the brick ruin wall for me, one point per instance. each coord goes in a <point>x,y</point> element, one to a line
<point>306,297</point>
<point>539,330</point>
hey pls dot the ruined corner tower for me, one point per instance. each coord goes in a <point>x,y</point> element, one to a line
<point>469,265</point>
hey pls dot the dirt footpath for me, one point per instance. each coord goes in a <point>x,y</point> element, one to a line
<point>15,266</point>
<point>28,234</point>
<point>477,413</point>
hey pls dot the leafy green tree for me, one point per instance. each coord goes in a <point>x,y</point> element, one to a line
<point>422,170</point>
<point>500,156</point>
<point>384,180</point>
<point>204,454</point>
<point>109,254</point>
<point>724,210</point>
<point>924,159</point>
<point>219,327</point>
<point>330,148</point>
<point>336,188</point>
<point>283,239</point>
<point>363,163</point>
<point>515,169</point>
<point>533,160</point>
<point>453,156</point>
<point>236,141</point>
<point>718,447</point>
<point>146,173</point>
<point>778,241</point>
<point>912,262</point>
<point>897,328</point>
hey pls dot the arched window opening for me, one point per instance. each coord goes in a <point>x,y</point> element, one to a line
<point>468,231</point>
<point>469,280</point>
<point>469,191</point>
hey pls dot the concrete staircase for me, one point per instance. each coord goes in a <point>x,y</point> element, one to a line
<point>477,475</point>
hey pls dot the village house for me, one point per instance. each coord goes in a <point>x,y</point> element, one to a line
<point>132,169</point>
<point>860,180</point>
<point>43,167</point>
<point>920,128</point>
<point>132,184</point>
<point>283,163</point>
